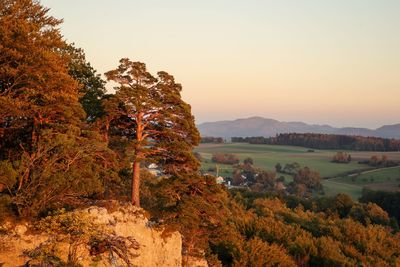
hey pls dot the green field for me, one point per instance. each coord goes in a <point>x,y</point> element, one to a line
<point>266,156</point>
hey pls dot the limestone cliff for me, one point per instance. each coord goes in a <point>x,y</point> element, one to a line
<point>126,227</point>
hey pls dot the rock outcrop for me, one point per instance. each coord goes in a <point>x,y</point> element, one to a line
<point>147,246</point>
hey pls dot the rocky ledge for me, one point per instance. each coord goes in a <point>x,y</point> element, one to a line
<point>128,239</point>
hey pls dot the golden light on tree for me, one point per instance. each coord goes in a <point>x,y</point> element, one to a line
<point>153,116</point>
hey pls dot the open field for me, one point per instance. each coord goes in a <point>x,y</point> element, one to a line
<point>266,156</point>
<point>332,188</point>
<point>387,179</point>
<point>372,177</point>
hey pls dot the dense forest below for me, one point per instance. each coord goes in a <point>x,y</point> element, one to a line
<point>325,141</point>
<point>65,142</point>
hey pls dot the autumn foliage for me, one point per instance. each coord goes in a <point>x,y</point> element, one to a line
<point>225,158</point>
<point>65,142</point>
<point>341,157</point>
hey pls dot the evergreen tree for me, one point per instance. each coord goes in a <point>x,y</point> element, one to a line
<point>35,87</point>
<point>91,86</point>
<point>153,117</point>
<point>52,158</point>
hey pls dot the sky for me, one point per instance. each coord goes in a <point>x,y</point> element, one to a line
<point>331,62</point>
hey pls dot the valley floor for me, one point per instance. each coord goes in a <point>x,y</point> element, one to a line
<point>339,178</point>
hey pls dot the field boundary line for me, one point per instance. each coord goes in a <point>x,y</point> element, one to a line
<point>375,170</point>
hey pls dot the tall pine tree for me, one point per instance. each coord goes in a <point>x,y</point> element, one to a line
<point>154,118</point>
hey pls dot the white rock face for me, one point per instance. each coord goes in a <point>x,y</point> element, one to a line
<point>125,221</point>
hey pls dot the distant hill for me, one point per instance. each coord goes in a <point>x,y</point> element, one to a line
<point>258,126</point>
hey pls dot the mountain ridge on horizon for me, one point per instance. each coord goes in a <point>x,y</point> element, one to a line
<point>267,127</point>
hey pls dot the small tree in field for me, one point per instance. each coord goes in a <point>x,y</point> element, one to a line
<point>156,121</point>
<point>341,157</point>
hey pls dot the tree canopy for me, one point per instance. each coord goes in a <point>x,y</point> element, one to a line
<point>50,156</point>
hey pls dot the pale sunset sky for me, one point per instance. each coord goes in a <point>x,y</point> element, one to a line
<point>331,62</point>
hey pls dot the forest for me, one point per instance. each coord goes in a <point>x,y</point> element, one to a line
<point>66,142</point>
<point>212,140</point>
<point>325,141</point>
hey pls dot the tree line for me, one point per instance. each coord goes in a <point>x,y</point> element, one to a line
<point>380,162</point>
<point>325,141</point>
<point>211,140</point>
<point>225,158</point>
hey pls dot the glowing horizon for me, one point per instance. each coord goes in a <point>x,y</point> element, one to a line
<point>320,62</point>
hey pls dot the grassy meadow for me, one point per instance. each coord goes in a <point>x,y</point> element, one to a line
<point>337,179</point>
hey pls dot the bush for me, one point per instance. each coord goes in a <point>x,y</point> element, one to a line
<point>341,157</point>
<point>225,158</point>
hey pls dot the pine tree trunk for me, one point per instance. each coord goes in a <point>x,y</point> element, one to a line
<point>136,183</point>
<point>136,163</point>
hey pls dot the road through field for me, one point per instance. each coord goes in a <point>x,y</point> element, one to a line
<point>374,170</point>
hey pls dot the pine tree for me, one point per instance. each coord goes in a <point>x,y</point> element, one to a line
<point>35,87</point>
<point>53,157</point>
<point>91,86</point>
<point>155,119</point>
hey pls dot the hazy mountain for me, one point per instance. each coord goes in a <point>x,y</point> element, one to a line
<point>389,131</point>
<point>258,126</point>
